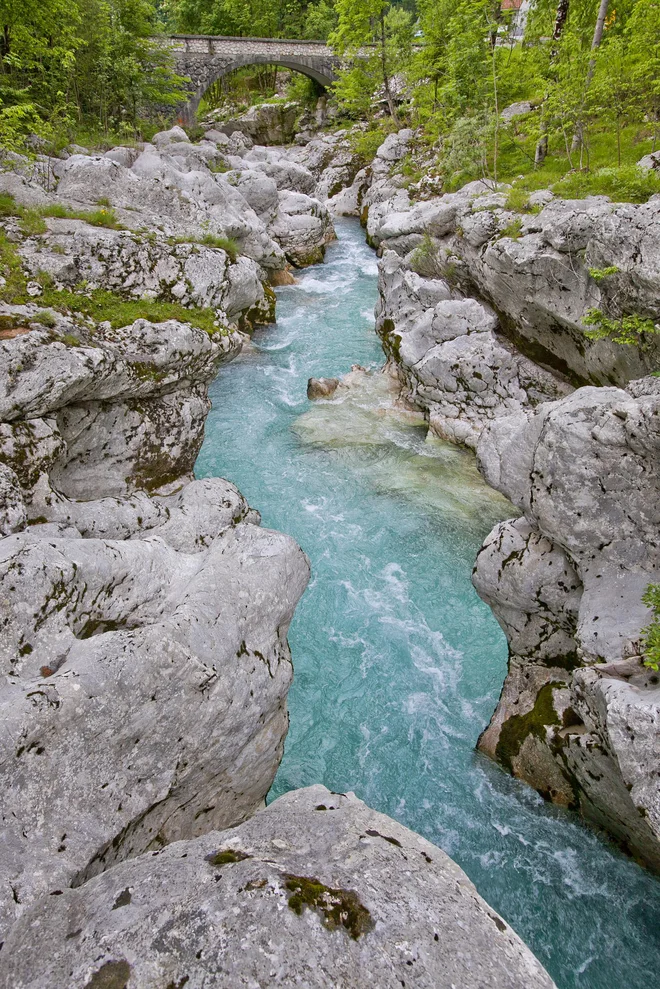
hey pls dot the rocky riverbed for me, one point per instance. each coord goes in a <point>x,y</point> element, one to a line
<point>145,613</point>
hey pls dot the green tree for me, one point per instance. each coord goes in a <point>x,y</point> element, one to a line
<point>376,35</point>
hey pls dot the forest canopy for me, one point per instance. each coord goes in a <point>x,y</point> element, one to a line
<point>588,71</point>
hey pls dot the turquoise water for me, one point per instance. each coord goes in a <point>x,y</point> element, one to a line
<point>398,664</point>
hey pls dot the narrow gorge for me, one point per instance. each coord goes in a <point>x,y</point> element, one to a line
<point>182,526</point>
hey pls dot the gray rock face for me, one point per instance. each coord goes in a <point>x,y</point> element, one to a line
<point>579,716</point>
<point>317,890</point>
<point>302,227</point>
<point>137,267</point>
<point>178,199</point>
<point>266,123</point>
<point>453,363</point>
<point>535,270</point>
<point>144,653</point>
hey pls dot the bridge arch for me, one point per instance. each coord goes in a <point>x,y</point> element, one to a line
<point>205,59</point>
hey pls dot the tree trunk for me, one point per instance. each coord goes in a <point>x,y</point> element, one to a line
<point>560,19</point>
<point>541,150</point>
<point>598,37</point>
<point>386,78</point>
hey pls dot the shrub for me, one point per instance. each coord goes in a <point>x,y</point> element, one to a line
<point>46,318</point>
<point>651,633</point>
<point>425,259</point>
<point>600,274</point>
<point>632,329</point>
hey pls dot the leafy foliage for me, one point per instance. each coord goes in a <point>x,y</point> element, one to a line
<point>260,18</point>
<point>651,633</point>
<point>632,329</point>
<point>67,62</point>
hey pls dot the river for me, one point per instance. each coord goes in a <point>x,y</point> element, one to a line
<point>398,664</point>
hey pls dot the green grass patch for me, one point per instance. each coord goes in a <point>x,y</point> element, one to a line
<point>627,184</point>
<point>513,230</point>
<point>32,218</point>
<point>15,288</point>
<point>102,217</point>
<point>226,244</point>
<point>101,305</point>
<point>230,246</point>
<point>98,305</point>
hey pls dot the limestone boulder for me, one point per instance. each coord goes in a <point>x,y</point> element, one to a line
<point>542,272</point>
<point>447,351</point>
<point>266,123</point>
<point>318,890</point>
<point>158,193</point>
<point>106,412</point>
<point>139,680</point>
<point>302,228</point>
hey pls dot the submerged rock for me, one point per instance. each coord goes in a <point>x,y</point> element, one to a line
<point>317,890</point>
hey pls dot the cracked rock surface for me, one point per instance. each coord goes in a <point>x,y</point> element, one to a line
<point>145,665</point>
<point>317,890</point>
<point>579,715</point>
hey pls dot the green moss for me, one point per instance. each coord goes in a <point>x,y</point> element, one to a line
<point>336,907</point>
<point>227,856</point>
<point>518,727</point>
<point>146,372</point>
<point>111,975</point>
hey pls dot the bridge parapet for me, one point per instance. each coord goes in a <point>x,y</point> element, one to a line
<point>206,44</point>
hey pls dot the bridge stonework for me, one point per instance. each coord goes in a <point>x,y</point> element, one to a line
<point>205,59</point>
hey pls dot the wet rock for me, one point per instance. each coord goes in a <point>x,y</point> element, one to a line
<point>579,714</point>
<point>317,888</point>
<point>322,387</point>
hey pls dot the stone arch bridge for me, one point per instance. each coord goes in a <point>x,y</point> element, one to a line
<point>205,59</point>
